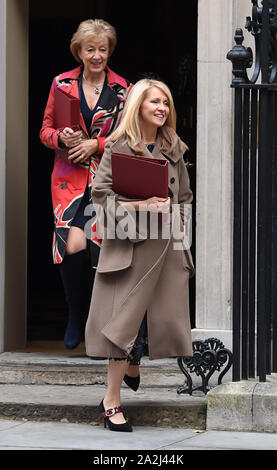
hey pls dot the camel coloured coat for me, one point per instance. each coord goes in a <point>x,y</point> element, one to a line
<point>136,275</point>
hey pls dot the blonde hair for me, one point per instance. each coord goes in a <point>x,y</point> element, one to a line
<point>130,125</point>
<point>90,28</point>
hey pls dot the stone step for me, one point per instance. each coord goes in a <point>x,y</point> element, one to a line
<point>53,369</point>
<point>54,387</point>
<point>33,375</point>
<point>149,406</point>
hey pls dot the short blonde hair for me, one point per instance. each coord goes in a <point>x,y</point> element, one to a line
<point>130,125</point>
<point>90,28</point>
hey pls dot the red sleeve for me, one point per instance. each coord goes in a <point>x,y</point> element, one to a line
<point>101,142</point>
<point>48,134</point>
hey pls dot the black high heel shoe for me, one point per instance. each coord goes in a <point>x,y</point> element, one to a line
<point>105,414</point>
<point>132,382</point>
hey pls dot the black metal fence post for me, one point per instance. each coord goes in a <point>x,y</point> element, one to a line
<point>274,245</point>
<point>255,196</point>
<point>252,230</point>
<point>245,236</point>
<point>237,235</point>
<point>261,245</point>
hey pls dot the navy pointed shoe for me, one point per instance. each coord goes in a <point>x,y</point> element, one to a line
<point>73,333</point>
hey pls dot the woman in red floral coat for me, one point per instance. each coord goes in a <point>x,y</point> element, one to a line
<point>102,95</point>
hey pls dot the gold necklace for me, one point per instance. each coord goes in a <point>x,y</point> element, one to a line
<point>96,88</point>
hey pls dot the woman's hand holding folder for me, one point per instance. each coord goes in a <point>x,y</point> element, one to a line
<point>80,149</point>
<point>152,204</point>
<point>69,138</point>
<point>83,150</point>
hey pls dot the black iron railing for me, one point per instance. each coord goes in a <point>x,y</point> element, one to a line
<point>255,196</point>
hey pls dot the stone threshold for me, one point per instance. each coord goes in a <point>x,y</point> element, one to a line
<point>244,406</point>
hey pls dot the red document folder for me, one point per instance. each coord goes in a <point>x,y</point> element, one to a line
<point>67,110</point>
<point>138,177</point>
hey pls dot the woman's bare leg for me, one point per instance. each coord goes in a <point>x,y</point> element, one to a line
<point>132,370</point>
<point>76,241</point>
<point>116,372</point>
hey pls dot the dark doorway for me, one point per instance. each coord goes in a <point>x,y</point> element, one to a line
<point>157,37</point>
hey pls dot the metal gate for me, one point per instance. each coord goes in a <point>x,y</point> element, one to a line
<point>255,196</point>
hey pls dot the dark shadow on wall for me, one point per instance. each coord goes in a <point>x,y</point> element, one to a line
<point>156,38</point>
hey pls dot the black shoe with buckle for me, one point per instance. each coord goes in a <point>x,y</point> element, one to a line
<point>105,414</point>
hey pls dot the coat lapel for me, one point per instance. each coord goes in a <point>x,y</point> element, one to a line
<point>156,153</point>
<point>123,147</point>
<point>74,91</point>
<point>108,102</point>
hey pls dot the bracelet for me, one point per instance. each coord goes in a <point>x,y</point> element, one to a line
<point>60,143</point>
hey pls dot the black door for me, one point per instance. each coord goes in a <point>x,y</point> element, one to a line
<point>155,37</point>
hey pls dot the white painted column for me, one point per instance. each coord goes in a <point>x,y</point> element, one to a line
<point>2,164</point>
<point>217,20</point>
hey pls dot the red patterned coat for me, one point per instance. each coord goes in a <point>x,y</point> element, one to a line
<point>68,182</point>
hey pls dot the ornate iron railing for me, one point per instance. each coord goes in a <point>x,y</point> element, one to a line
<point>255,196</point>
<point>209,356</point>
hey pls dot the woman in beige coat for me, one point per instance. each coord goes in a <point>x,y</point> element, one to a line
<point>141,289</point>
